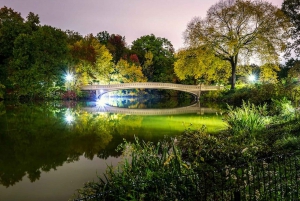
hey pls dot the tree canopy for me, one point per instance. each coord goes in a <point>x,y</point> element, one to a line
<point>292,9</point>
<point>201,64</point>
<point>156,55</point>
<point>240,30</point>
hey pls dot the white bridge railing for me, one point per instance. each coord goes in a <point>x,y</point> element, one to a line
<point>154,85</point>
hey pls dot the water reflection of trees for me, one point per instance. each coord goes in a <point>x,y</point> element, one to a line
<point>36,138</point>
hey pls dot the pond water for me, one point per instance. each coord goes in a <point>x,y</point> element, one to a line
<point>49,149</point>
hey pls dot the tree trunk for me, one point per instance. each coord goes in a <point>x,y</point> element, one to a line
<point>233,62</point>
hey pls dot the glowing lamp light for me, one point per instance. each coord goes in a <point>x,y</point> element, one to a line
<point>69,118</point>
<point>101,102</point>
<point>252,78</point>
<point>69,77</point>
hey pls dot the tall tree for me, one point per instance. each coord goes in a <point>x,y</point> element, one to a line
<point>11,26</point>
<point>292,9</point>
<point>162,57</point>
<point>237,30</point>
<point>38,60</point>
<point>115,43</point>
<point>93,61</point>
<point>116,46</point>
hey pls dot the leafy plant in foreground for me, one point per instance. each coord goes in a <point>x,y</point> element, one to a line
<point>148,172</point>
<point>246,120</point>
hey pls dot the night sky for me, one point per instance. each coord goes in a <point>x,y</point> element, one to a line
<point>129,18</point>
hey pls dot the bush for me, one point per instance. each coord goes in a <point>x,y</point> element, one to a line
<point>149,172</point>
<point>246,120</point>
<point>257,94</point>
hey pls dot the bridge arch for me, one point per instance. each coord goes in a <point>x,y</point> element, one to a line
<point>193,89</point>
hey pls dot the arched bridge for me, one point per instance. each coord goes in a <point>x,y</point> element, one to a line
<point>193,89</point>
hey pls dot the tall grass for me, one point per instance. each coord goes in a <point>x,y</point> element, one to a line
<point>247,119</point>
<point>149,172</point>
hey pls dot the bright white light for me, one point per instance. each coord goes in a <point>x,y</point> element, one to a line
<point>69,77</point>
<point>69,118</point>
<point>252,78</point>
<point>102,101</point>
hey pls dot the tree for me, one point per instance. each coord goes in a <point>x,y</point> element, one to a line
<point>32,22</point>
<point>73,36</point>
<point>238,30</point>
<point>268,73</point>
<point>103,37</point>
<point>38,60</point>
<point>104,65</point>
<point>199,64</point>
<point>93,61</point>
<point>11,26</point>
<point>294,71</point>
<point>115,43</point>
<point>162,58</point>
<point>292,9</point>
<point>128,72</point>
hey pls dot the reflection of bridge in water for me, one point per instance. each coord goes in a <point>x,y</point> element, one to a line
<point>196,109</point>
<point>193,89</point>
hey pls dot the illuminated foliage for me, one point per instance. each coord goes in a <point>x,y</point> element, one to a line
<point>94,62</point>
<point>199,63</point>
<point>268,73</point>
<point>237,30</point>
<point>128,72</point>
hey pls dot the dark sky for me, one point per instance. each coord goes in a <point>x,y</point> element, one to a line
<point>129,18</point>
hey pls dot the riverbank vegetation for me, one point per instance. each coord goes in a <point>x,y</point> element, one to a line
<point>148,169</point>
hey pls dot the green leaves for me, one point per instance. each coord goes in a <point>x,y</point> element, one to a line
<point>246,120</point>
<point>38,60</point>
<point>157,66</point>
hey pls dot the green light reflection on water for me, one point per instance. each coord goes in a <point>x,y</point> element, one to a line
<point>36,138</point>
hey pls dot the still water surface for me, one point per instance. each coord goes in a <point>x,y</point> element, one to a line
<point>49,149</point>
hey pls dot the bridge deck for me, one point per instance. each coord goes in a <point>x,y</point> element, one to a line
<point>151,85</point>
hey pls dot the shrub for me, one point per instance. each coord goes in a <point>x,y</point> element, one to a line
<point>283,110</point>
<point>246,120</point>
<point>149,172</point>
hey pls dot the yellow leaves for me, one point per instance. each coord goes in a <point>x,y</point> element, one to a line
<point>168,159</point>
<point>129,72</point>
<point>200,63</point>
<point>268,73</point>
<point>149,59</point>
